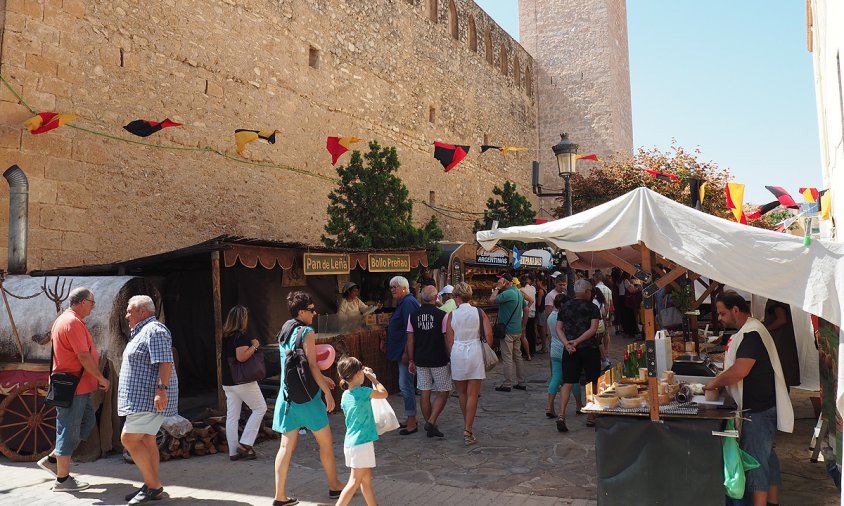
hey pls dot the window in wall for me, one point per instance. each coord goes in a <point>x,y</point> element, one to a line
<point>432,197</point>
<point>473,35</point>
<point>505,64</point>
<point>486,139</point>
<point>517,71</point>
<point>432,10</point>
<point>313,57</point>
<point>453,26</point>
<point>488,47</point>
<point>528,82</point>
<point>432,114</point>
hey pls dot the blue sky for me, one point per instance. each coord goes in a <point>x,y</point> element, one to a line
<point>732,78</point>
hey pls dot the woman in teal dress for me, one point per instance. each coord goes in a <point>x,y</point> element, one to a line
<point>313,414</point>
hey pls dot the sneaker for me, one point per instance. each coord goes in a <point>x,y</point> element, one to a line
<point>502,389</point>
<point>147,494</point>
<point>69,485</point>
<point>520,387</point>
<point>50,467</point>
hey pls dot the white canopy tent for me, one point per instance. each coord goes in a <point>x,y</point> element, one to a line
<point>762,262</point>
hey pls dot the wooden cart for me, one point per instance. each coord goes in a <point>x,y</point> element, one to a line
<point>27,424</point>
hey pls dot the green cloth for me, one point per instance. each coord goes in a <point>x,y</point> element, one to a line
<point>449,306</point>
<point>511,301</point>
<point>311,415</point>
<point>360,422</point>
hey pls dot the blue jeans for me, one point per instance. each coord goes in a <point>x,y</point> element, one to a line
<point>408,389</point>
<point>74,424</point>
<point>757,439</point>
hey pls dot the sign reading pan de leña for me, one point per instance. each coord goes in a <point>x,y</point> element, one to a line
<point>326,263</point>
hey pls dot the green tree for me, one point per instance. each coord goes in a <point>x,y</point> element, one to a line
<point>509,207</point>
<point>371,208</point>
<point>617,176</point>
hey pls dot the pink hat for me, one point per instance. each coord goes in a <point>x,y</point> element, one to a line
<point>325,356</point>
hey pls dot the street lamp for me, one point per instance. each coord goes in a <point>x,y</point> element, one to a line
<point>566,153</point>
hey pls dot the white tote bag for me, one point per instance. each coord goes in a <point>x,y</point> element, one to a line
<point>385,417</point>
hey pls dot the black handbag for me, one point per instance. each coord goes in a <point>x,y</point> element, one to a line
<point>499,330</point>
<point>254,369</point>
<point>62,387</point>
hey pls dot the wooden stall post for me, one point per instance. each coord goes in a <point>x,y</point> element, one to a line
<point>218,324</point>
<point>650,332</point>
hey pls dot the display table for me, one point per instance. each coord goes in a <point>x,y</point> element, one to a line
<point>676,461</point>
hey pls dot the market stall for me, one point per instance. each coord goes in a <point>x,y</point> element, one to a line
<point>758,261</point>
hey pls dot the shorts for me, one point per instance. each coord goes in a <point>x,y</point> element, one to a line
<point>757,439</point>
<point>74,424</point>
<point>586,361</point>
<point>143,423</point>
<point>437,379</point>
<point>541,319</point>
<point>360,456</point>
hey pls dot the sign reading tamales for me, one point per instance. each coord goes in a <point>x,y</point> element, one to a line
<point>326,263</point>
<point>389,262</point>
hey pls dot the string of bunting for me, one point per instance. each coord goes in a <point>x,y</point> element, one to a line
<point>143,128</point>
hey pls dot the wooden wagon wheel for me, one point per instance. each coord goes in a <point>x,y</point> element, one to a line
<point>27,424</point>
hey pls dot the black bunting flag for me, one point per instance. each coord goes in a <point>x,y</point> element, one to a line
<point>449,155</point>
<point>145,128</point>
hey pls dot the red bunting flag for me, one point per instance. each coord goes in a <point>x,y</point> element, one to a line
<point>735,198</point>
<point>339,145</point>
<point>449,155</point>
<point>783,197</point>
<point>145,128</point>
<point>46,121</point>
<point>763,210</point>
<point>592,157</point>
<point>809,194</point>
<point>662,176</point>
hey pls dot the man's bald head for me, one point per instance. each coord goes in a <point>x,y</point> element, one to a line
<point>429,294</point>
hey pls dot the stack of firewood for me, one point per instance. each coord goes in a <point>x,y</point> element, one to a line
<point>209,437</point>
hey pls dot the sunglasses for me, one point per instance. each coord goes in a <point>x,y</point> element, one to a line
<point>311,309</point>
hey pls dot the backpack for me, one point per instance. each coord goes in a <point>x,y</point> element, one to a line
<point>299,387</point>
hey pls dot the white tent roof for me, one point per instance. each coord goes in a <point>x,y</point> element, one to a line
<point>771,264</point>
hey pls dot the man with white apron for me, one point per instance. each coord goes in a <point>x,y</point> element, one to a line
<point>753,376</point>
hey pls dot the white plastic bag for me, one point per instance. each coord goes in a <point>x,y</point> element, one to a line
<point>385,417</point>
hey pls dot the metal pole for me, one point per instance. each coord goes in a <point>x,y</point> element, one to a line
<point>569,270</point>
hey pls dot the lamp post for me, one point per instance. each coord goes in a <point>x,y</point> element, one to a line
<point>566,153</point>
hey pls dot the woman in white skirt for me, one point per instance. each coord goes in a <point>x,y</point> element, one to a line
<point>463,339</point>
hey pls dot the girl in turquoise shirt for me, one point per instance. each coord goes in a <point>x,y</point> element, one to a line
<point>359,445</point>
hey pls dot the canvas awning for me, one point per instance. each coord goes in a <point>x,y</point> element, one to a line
<point>762,262</point>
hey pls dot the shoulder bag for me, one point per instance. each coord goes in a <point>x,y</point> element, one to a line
<point>490,358</point>
<point>499,330</point>
<point>62,387</point>
<point>253,369</point>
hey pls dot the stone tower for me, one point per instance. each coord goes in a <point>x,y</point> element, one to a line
<point>583,76</point>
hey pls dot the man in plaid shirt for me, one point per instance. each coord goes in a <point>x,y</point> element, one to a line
<point>147,393</point>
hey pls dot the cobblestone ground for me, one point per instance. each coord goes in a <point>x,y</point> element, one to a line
<point>520,459</point>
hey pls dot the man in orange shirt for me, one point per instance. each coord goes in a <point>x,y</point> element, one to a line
<point>74,353</point>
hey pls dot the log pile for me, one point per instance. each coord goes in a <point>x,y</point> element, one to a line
<point>208,437</point>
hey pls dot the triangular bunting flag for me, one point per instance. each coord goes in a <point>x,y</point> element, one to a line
<point>826,204</point>
<point>809,194</point>
<point>339,145</point>
<point>783,196</point>
<point>449,155</point>
<point>145,128</point>
<point>243,137</point>
<point>504,149</point>
<point>735,198</point>
<point>46,121</point>
<point>762,210</point>
<point>592,157</point>
<point>662,176</point>
<point>697,188</point>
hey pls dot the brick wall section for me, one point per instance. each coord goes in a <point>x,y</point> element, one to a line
<point>226,64</point>
<point>581,54</point>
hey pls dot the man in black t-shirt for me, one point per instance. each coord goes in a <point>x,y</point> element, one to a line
<point>577,324</point>
<point>750,377</point>
<point>429,357</point>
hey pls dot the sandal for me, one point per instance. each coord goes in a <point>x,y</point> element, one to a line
<point>550,414</point>
<point>244,452</point>
<point>561,424</point>
<point>469,438</point>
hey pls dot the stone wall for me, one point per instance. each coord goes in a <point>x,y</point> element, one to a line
<point>376,69</point>
<point>583,76</point>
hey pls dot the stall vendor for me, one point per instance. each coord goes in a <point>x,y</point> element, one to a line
<point>351,307</point>
<point>753,376</point>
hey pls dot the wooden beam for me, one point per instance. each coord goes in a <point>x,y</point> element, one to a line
<point>617,261</point>
<point>218,325</point>
<point>662,272</point>
<point>670,277</point>
<point>713,285</point>
<point>650,332</point>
